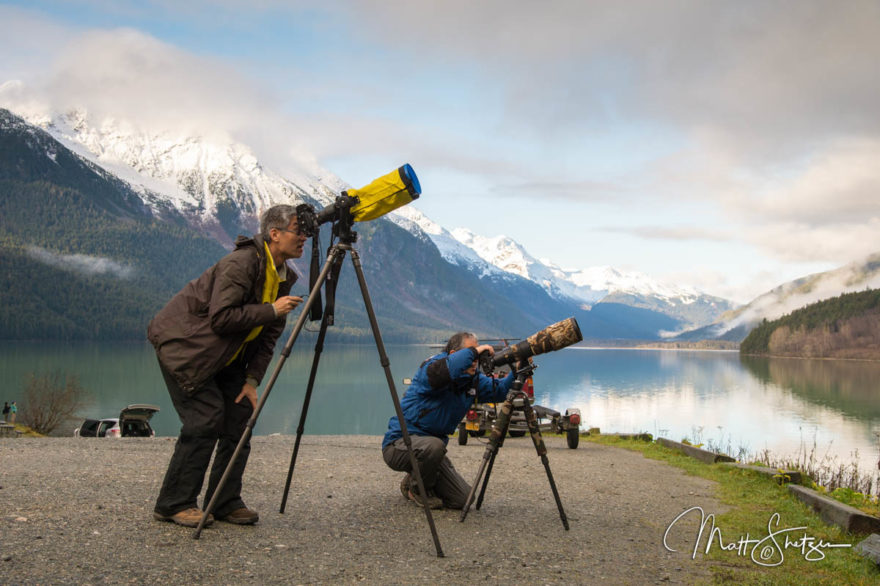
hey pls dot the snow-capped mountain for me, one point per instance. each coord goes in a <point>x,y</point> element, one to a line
<point>208,179</point>
<point>585,287</point>
<point>221,186</point>
<point>453,251</point>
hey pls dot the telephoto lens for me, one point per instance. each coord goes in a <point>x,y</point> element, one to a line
<point>553,337</point>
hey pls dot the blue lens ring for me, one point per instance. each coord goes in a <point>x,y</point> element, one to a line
<point>410,179</point>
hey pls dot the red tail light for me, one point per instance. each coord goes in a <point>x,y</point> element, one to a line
<point>574,419</point>
<point>472,415</point>
<point>113,433</point>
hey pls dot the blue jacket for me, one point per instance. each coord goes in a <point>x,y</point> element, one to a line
<point>441,393</point>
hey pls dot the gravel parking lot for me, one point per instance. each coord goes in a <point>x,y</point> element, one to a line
<point>79,511</point>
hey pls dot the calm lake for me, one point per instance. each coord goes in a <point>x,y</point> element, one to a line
<point>715,398</point>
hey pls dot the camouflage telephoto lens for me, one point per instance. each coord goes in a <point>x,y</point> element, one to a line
<point>554,337</point>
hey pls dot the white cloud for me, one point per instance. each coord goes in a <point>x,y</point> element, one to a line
<point>836,243</point>
<point>81,263</point>
<point>126,74</point>
<point>756,122</point>
<point>838,185</point>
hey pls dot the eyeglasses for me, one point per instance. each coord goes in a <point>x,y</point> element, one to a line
<point>287,230</point>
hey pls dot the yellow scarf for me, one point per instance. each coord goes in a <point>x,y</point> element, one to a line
<point>270,292</point>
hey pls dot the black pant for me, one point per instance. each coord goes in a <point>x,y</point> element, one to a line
<point>438,473</point>
<point>208,414</point>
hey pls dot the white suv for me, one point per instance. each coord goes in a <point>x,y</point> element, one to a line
<point>133,421</point>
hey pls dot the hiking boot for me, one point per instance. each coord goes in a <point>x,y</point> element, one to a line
<point>242,516</point>
<point>434,502</point>
<point>411,492</point>
<point>404,485</point>
<point>188,518</point>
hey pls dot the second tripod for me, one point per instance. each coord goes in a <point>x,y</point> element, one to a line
<point>496,440</point>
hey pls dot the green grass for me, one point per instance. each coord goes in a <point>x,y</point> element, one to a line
<point>753,499</point>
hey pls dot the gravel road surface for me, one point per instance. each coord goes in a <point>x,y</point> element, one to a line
<point>78,510</point>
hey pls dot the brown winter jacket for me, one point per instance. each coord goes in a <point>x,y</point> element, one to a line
<point>202,327</point>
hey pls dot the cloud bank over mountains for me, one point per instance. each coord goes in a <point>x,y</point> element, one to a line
<point>722,145</point>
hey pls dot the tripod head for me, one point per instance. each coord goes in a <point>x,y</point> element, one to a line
<point>526,371</point>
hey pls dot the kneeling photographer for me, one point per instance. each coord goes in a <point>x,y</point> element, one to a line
<point>441,392</point>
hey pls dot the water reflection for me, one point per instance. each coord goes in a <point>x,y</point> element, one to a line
<point>713,397</point>
<point>849,386</point>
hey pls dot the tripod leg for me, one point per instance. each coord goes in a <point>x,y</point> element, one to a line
<point>386,366</point>
<point>492,461</point>
<point>535,433</point>
<point>496,439</point>
<point>285,352</point>
<point>319,347</point>
<point>479,502</point>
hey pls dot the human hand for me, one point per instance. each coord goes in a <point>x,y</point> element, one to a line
<point>485,348</point>
<point>286,304</point>
<point>249,391</point>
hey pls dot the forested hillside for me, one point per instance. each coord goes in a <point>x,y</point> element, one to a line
<point>847,326</point>
<point>80,256</point>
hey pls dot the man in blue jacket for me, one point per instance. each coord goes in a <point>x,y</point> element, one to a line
<point>441,392</point>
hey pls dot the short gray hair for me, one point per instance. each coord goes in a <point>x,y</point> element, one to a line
<point>277,217</point>
<point>456,342</point>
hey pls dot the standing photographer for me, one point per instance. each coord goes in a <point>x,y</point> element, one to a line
<point>214,341</point>
<point>440,394</point>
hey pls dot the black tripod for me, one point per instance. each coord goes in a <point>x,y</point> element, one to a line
<point>329,274</point>
<point>496,440</point>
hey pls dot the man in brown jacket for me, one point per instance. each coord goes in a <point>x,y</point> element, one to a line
<point>214,341</point>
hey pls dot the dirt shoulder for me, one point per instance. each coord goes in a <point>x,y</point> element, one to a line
<point>79,510</point>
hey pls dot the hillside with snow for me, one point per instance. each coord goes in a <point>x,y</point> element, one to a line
<point>210,179</point>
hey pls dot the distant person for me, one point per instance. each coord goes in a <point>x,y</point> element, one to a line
<point>6,412</point>
<point>441,392</point>
<point>13,409</point>
<point>214,341</point>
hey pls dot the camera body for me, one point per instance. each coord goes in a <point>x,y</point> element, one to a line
<point>309,221</point>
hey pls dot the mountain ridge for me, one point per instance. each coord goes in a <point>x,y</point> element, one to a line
<point>220,200</point>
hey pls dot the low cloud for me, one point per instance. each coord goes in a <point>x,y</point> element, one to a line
<point>81,263</point>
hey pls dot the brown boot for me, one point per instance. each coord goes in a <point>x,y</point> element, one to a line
<point>409,490</point>
<point>242,516</point>
<point>188,518</point>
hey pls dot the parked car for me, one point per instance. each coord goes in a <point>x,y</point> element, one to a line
<point>133,421</point>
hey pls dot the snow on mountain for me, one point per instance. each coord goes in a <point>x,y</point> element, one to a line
<point>200,176</point>
<point>588,285</point>
<point>221,184</point>
<point>453,251</point>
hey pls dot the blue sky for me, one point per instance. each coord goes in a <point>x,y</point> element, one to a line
<point>728,146</point>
